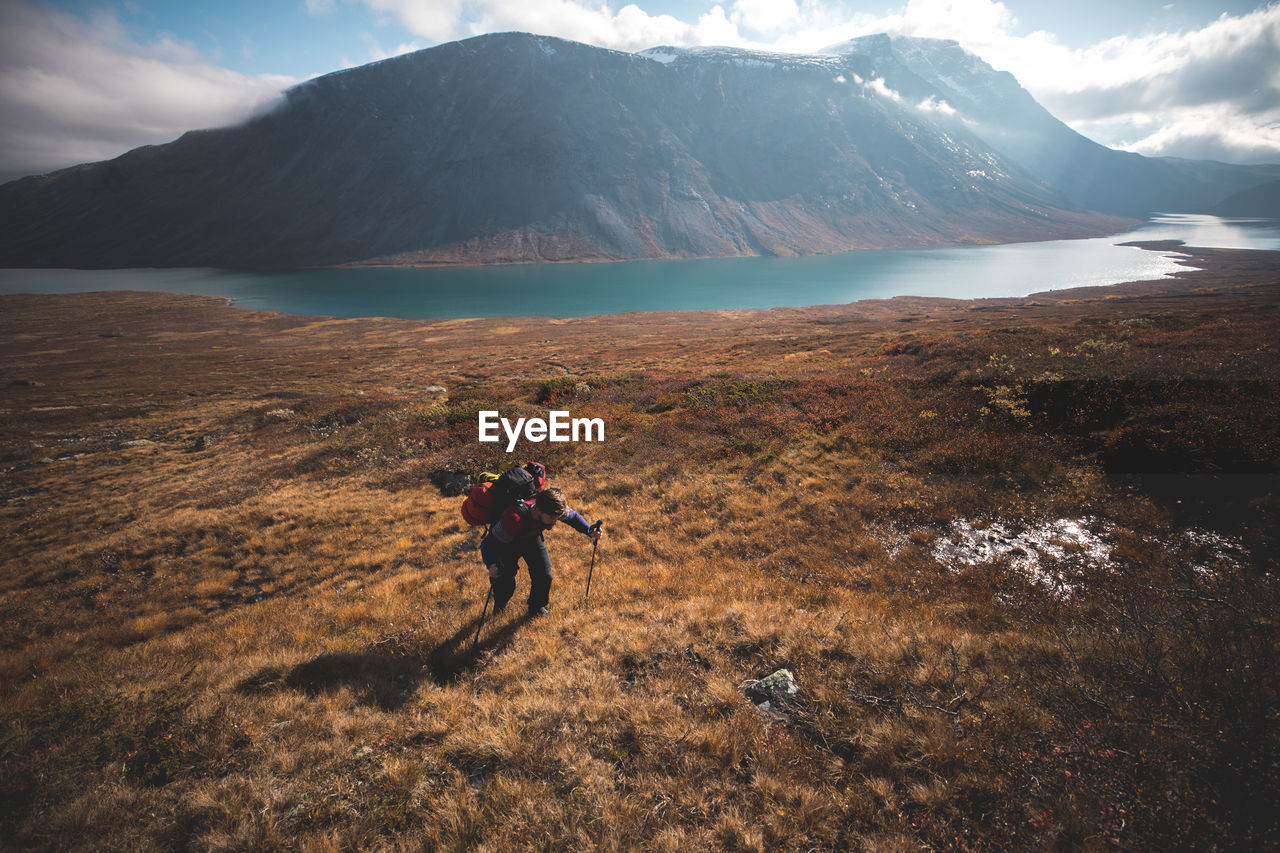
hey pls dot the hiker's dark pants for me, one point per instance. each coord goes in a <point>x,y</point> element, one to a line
<point>536,559</point>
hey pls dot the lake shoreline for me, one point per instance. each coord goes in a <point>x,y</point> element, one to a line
<point>1091,233</point>
<point>740,283</point>
<point>1199,263</point>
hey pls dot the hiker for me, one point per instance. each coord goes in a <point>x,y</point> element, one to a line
<point>517,534</point>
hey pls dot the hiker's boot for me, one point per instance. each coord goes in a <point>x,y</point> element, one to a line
<point>535,612</point>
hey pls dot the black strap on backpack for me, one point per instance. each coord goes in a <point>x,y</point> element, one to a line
<point>512,487</point>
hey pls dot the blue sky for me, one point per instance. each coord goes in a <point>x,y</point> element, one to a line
<point>301,39</point>
<point>88,79</point>
<point>298,39</point>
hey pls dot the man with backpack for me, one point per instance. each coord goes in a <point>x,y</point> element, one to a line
<point>516,535</point>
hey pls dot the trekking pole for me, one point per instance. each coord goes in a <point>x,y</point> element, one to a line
<point>482,612</point>
<point>487,597</point>
<point>599,525</point>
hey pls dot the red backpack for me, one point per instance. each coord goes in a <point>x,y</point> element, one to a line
<point>493,495</point>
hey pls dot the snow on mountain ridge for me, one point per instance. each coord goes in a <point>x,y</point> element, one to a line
<point>745,57</point>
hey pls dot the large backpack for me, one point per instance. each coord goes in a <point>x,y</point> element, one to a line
<point>493,496</point>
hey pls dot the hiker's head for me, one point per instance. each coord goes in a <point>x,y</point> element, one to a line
<point>550,503</point>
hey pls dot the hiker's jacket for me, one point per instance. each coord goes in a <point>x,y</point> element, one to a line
<point>517,526</point>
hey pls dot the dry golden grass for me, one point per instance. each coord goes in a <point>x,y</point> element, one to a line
<point>268,643</point>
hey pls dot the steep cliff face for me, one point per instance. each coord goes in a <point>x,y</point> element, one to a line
<point>513,147</point>
<point>1010,121</point>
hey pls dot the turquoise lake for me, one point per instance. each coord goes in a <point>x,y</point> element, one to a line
<point>577,290</point>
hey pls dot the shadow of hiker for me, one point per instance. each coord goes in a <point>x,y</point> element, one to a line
<point>385,679</point>
<point>375,678</point>
<point>382,679</point>
<point>459,654</point>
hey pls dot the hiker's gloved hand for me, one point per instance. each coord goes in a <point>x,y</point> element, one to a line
<point>495,570</point>
<point>595,533</point>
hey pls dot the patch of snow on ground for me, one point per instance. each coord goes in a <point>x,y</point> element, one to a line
<point>956,86</point>
<point>1048,552</point>
<point>1027,550</point>
<point>660,56</point>
<point>1220,552</point>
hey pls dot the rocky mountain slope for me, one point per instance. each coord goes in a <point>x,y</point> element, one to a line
<point>512,147</point>
<point>1005,116</point>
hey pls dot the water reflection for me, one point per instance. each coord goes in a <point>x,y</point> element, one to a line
<point>573,290</point>
<point>1211,231</point>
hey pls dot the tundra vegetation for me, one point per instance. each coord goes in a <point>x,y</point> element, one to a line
<point>1018,554</point>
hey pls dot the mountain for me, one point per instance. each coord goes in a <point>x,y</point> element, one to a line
<point>1005,116</point>
<point>513,147</point>
<point>1263,201</point>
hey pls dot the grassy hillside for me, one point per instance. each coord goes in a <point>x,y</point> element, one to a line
<point>1018,554</point>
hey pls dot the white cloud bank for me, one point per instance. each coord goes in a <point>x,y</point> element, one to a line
<point>1213,92</point>
<point>630,28</point>
<point>72,92</point>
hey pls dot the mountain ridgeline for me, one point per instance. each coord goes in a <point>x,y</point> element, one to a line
<point>512,147</point>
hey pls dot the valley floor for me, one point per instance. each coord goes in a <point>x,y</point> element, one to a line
<point>1018,554</point>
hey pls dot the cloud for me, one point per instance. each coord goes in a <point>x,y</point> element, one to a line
<point>932,105</point>
<point>630,28</point>
<point>1212,132</point>
<point>377,52</point>
<point>881,88</point>
<point>765,16</point>
<point>72,92</point>
<point>821,23</point>
<point>1212,92</point>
